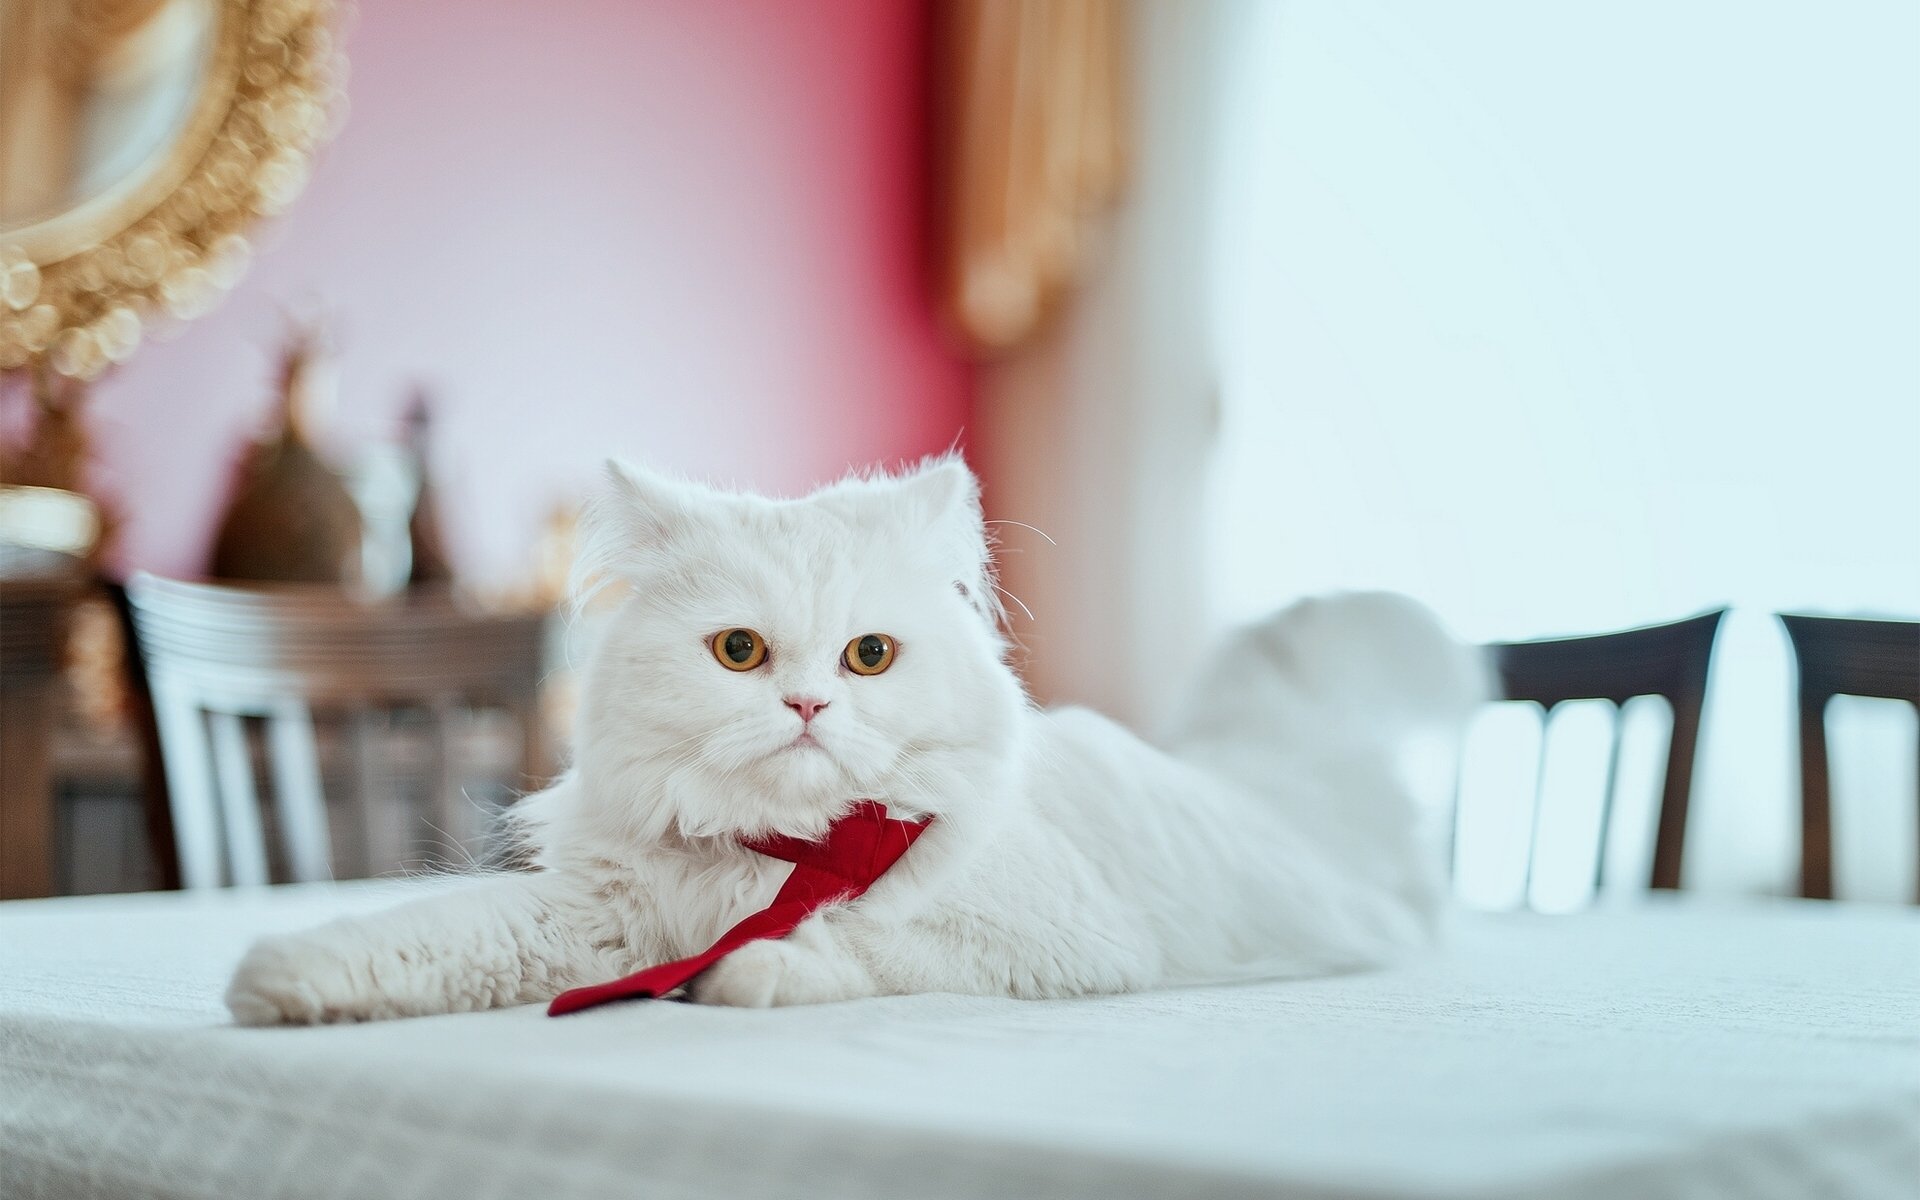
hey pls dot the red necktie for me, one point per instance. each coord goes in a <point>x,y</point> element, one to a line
<point>857,850</point>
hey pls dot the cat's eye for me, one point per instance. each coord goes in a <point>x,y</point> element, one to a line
<point>869,654</point>
<point>739,649</point>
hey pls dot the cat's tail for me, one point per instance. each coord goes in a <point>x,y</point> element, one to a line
<point>1346,712</point>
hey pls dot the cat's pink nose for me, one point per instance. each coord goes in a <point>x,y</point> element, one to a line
<point>806,706</point>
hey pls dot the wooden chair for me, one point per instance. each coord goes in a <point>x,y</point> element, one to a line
<point>1841,656</point>
<point>1658,660</point>
<point>218,657</point>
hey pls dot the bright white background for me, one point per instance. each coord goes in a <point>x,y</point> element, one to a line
<point>1570,317</point>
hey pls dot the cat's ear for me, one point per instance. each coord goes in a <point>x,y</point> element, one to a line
<point>635,515</point>
<point>646,509</point>
<point>940,502</point>
<point>942,490</point>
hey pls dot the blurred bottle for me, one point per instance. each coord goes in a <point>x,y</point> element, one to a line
<point>384,483</point>
<point>430,566</point>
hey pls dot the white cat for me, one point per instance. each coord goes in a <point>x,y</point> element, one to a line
<point>735,693</point>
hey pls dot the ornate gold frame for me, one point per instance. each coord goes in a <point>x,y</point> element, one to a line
<point>77,290</point>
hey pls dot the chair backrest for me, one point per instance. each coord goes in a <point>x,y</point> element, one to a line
<point>1670,661</point>
<point>218,657</point>
<point>1841,656</point>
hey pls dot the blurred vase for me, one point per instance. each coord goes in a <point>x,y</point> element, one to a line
<point>291,518</point>
<point>384,484</point>
<point>430,565</point>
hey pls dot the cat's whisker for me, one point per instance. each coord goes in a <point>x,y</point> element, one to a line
<point>1022,524</point>
<point>671,746</point>
<point>1009,595</point>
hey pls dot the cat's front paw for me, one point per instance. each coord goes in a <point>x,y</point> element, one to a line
<point>769,973</point>
<point>296,980</point>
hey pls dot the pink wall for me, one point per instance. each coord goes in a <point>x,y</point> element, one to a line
<point>685,233</point>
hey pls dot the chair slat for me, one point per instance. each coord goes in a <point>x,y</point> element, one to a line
<point>190,788</point>
<point>296,791</point>
<point>239,804</point>
<point>1615,736</point>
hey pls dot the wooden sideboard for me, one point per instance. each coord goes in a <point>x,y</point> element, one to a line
<point>38,589</point>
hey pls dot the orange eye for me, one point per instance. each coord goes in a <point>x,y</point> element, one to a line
<point>869,654</point>
<point>739,649</point>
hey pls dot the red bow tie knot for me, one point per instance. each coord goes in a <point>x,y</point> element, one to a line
<point>857,850</point>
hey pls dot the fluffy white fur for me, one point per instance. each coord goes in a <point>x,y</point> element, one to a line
<point>1274,834</point>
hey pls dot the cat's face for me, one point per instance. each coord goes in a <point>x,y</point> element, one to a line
<point>777,660</point>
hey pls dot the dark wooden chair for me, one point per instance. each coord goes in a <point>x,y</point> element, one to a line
<point>219,658</point>
<point>1670,661</point>
<point>1841,656</point>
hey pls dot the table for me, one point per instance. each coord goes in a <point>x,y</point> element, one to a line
<point>1672,1049</point>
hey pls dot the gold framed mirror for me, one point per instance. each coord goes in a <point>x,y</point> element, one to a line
<point>139,140</point>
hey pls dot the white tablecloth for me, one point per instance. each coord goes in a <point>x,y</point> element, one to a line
<point>1672,1049</point>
